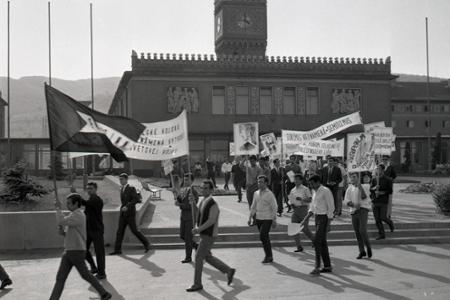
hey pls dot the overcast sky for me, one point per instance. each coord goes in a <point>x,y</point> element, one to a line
<point>344,28</point>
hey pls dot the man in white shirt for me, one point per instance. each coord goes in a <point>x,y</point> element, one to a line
<point>264,208</point>
<point>356,198</point>
<point>322,207</point>
<point>226,170</point>
<point>299,198</point>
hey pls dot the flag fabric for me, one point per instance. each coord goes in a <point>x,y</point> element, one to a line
<point>76,128</point>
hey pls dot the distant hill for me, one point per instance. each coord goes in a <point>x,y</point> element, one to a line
<point>28,110</point>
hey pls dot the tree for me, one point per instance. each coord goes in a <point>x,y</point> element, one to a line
<point>407,156</point>
<point>18,187</point>
<point>437,151</point>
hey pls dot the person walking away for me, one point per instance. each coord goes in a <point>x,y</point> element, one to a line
<point>331,177</point>
<point>238,177</point>
<point>4,278</point>
<point>300,197</point>
<point>129,198</point>
<point>357,200</point>
<point>391,174</point>
<point>253,171</point>
<point>211,172</point>
<point>73,227</point>
<point>264,209</point>
<point>207,225</point>
<point>322,208</point>
<point>184,198</point>
<point>95,230</point>
<point>380,189</point>
<point>226,170</point>
<point>342,187</point>
<point>276,182</point>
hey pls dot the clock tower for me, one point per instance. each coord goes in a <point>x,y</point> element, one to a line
<point>240,27</point>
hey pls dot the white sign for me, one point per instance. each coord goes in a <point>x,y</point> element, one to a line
<point>368,127</point>
<point>246,138</point>
<point>360,152</point>
<point>270,144</point>
<point>384,138</point>
<point>232,149</point>
<point>321,132</point>
<point>318,148</point>
<point>162,140</point>
<point>168,166</point>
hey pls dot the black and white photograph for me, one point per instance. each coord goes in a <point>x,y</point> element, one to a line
<point>225,149</point>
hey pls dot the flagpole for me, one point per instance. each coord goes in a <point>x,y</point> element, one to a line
<point>53,152</point>
<point>428,97</point>
<point>92,71</point>
<point>8,89</point>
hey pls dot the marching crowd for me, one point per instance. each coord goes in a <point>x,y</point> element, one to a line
<point>307,189</point>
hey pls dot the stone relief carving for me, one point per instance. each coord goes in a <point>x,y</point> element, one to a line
<point>345,100</point>
<point>179,98</point>
<point>301,101</point>
<point>231,100</point>
<point>278,101</point>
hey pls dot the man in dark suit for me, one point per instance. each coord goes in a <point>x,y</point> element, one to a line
<point>331,177</point>
<point>129,199</point>
<point>95,229</point>
<point>391,174</point>
<point>276,184</point>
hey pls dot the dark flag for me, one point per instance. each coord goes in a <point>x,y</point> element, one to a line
<point>76,128</point>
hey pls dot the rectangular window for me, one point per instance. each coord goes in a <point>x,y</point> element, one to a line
<point>218,100</point>
<point>289,101</point>
<point>446,108</point>
<point>436,108</point>
<point>312,101</point>
<point>393,108</point>
<point>394,123</point>
<point>410,123</point>
<point>242,100</point>
<point>427,123</point>
<point>265,101</point>
<point>418,108</point>
<point>445,124</point>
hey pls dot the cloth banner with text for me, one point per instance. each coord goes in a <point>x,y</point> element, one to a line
<point>321,132</point>
<point>384,137</point>
<point>317,148</point>
<point>361,152</point>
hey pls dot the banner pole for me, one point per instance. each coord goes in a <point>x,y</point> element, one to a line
<point>9,162</point>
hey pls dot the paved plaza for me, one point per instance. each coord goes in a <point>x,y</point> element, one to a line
<point>395,273</point>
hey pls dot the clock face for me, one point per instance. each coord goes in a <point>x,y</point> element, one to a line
<point>219,24</point>
<point>244,21</point>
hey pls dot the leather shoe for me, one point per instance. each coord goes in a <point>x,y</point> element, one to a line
<point>100,276</point>
<point>381,237</point>
<point>106,296</point>
<point>369,252</point>
<point>5,283</point>
<point>326,270</point>
<point>230,276</point>
<point>147,248</point>
<point>299,249</point>
<point>267,260</point>
<point>116,253</point>
<point>194,288</point>
<point>315,272</point>
<point>361,255</point>
<point>186,260</point>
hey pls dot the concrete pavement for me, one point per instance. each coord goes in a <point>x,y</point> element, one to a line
<point>395,273</point>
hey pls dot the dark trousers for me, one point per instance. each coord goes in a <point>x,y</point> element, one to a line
<point>211,176</point>
<point>3,274</point>
<point>204,253</point>
<point>187,236</point>
<point>359,222</point>
<point>264,229</point>
<point>298,216</point>
<point>288,188</point>
<point>320,241</point>
<point>96,238</point>
<point>74,259</point>
<point>250,191</point>
<point>124,221</point>
<point>334,190</point>
<point>380,215</point>
<point>227,180</point>
<point>238,185</point>
<point>276,189</point>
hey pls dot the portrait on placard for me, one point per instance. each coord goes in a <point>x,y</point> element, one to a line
<point>246,138</point>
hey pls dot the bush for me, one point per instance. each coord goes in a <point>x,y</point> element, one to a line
<point>442,169</point>
<point>420,188</point>
<point>18,187</point>
<point>56,163</point>
<point>441,197</point>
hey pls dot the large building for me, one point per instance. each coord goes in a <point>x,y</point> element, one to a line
<point>410,113</point>
<point>241,83</point>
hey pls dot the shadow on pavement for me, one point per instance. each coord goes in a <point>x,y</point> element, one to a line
<point>110,289</point>
<point>154,269</point>
<point>4,292</point>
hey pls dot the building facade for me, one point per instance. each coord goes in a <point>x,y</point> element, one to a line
<point>410,113</point>
<point>240,84</point>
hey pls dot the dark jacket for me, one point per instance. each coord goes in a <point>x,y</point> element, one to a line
<point>276,178</point>
<point>203,217</point>
<point>185,206</point>
<point>129,198</point>
<point>93,211</point>
<point>385,185</point>
<point>390,172</point>
<point>335,176</point>
<point>238,173</point>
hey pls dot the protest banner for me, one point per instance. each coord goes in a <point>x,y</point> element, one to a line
<point>232,149</point>
<point>318,148</point>
<point>321,132</point>
<point>246,139</point>
<point>270,145</point>
<point>384,138</point>
<point>360,152</point>
<point>369,126</point>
